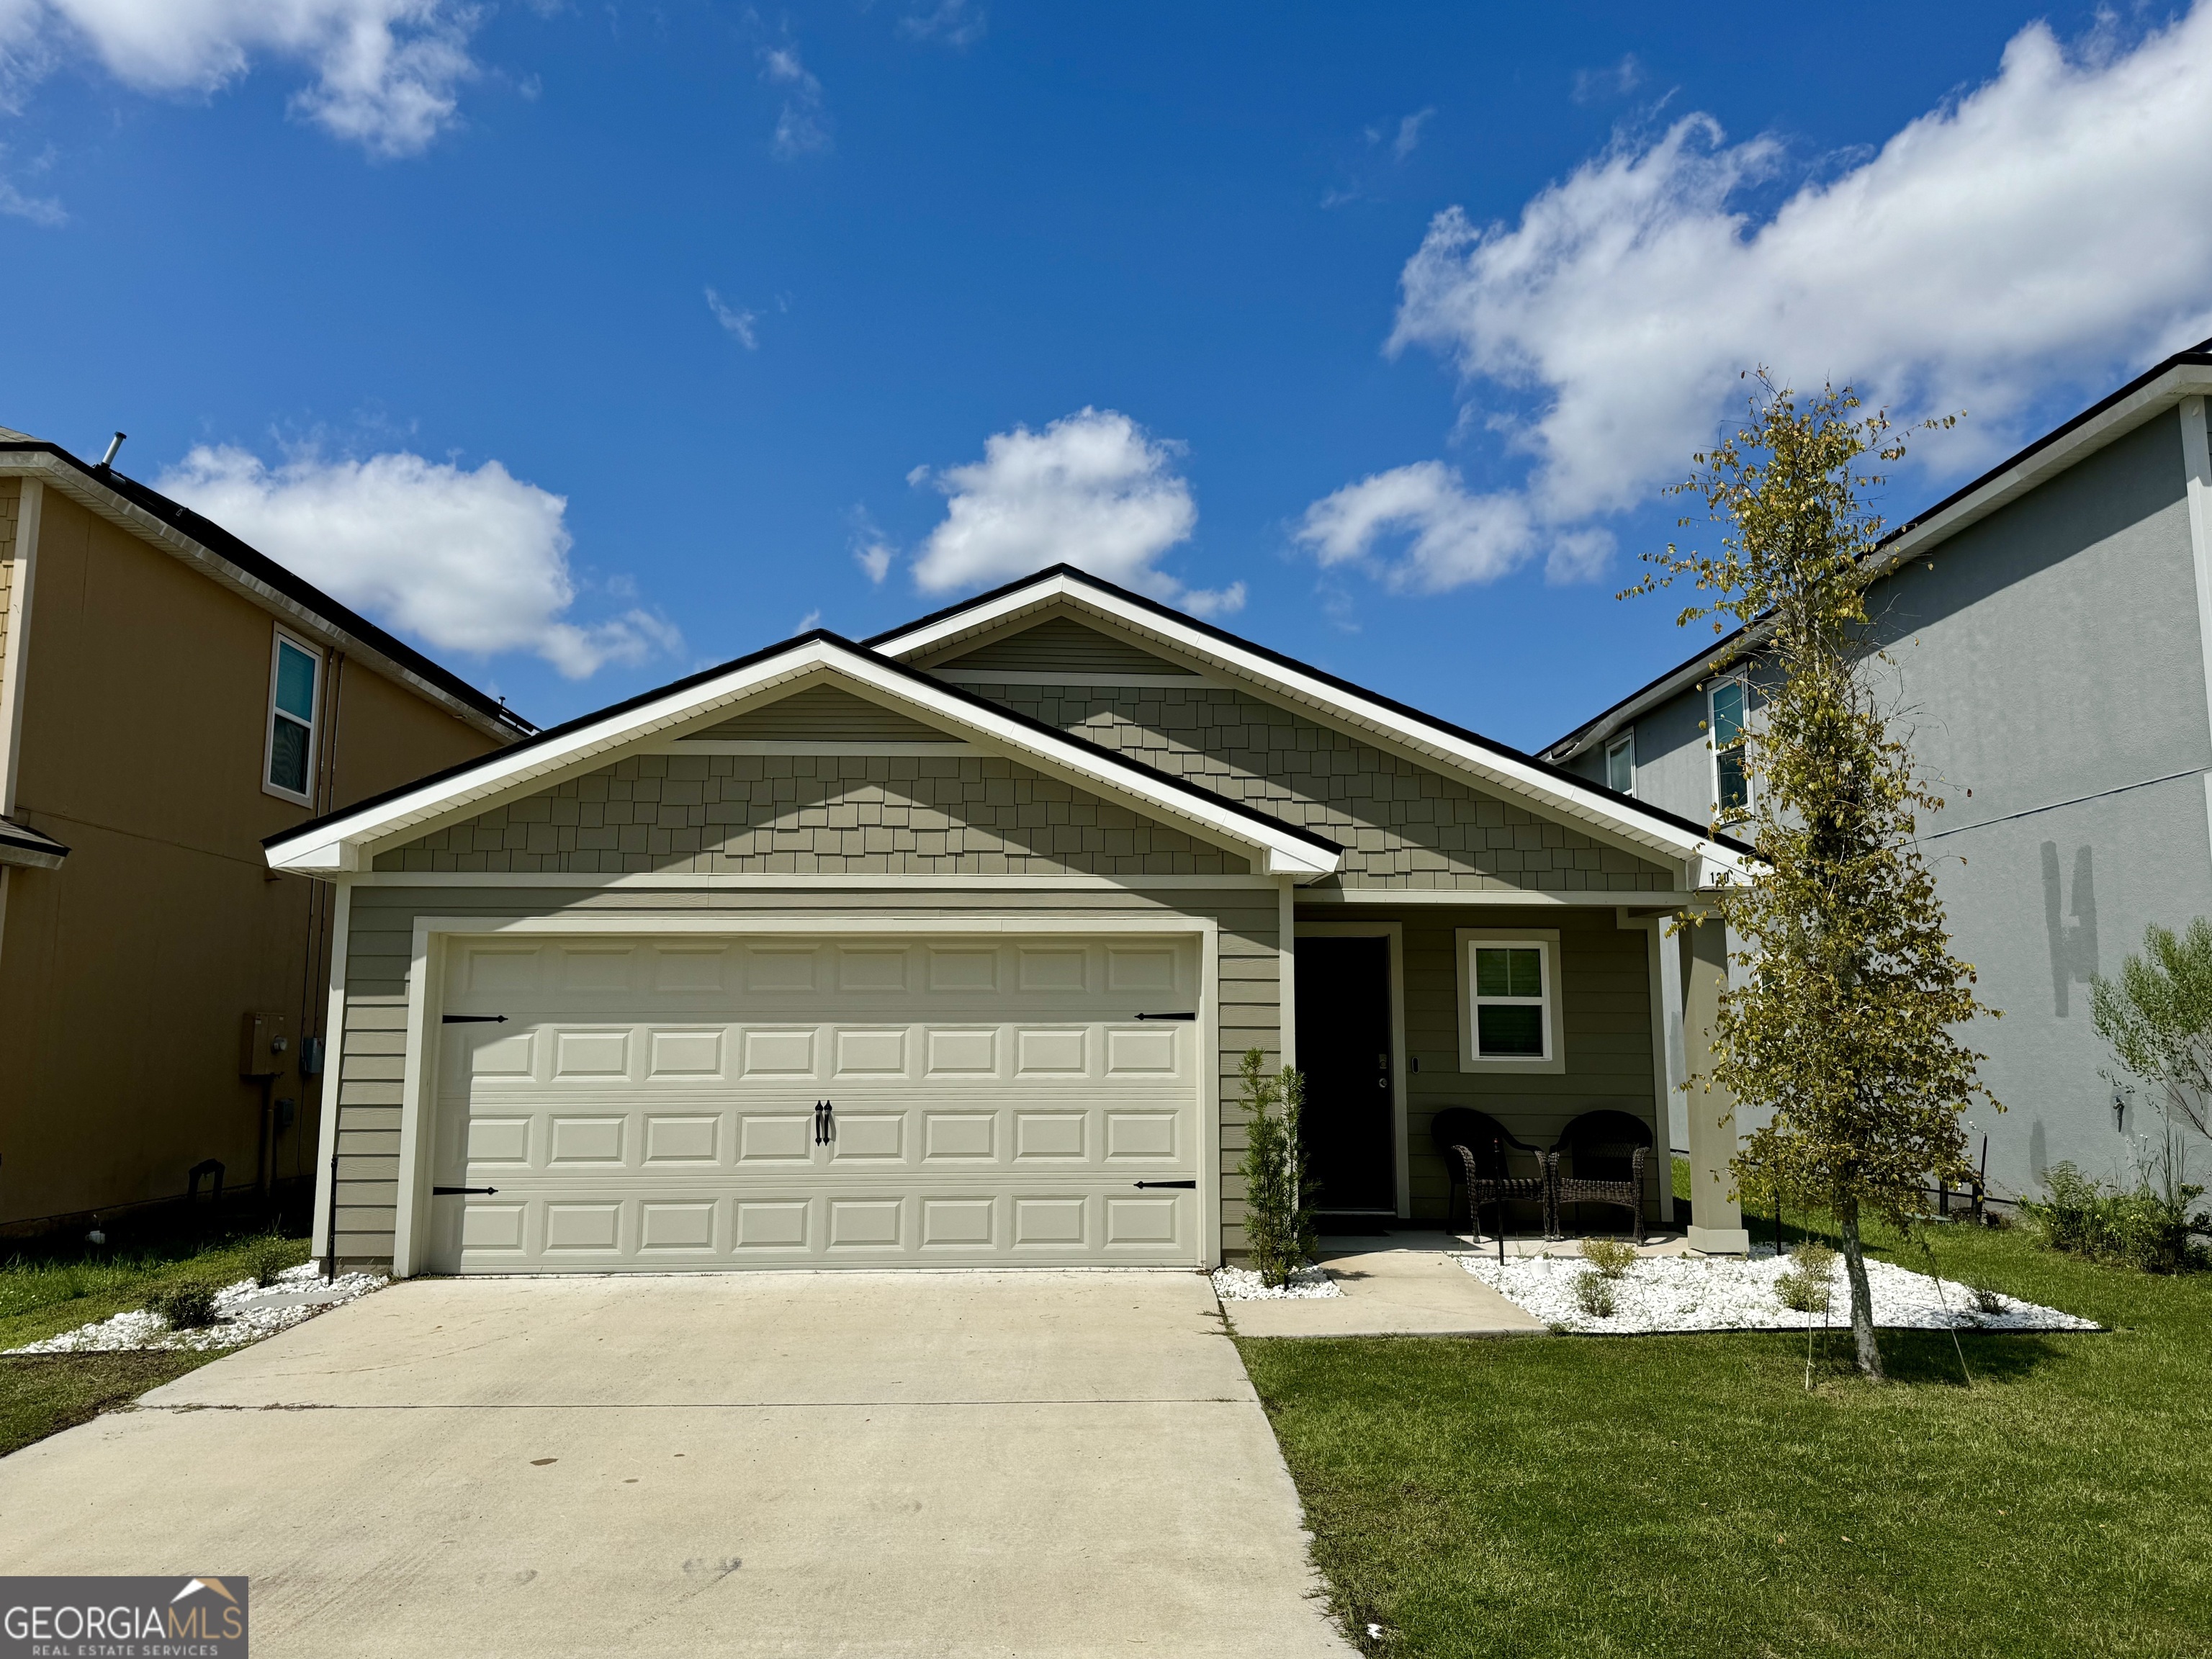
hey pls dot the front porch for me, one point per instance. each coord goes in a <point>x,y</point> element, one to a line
<point>1554,1034</point>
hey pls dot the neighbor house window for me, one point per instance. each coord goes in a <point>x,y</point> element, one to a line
<point>1731,706</point>
<point>1509,1000</point>
<point>1620,764</point>
<point>296,672</point>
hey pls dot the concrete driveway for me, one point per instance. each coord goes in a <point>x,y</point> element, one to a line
<point>806,1464</point>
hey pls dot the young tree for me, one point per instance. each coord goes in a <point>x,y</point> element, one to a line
<point>1844,1028</point>
<point>2157,1016</point>
<point>1279,1223</point>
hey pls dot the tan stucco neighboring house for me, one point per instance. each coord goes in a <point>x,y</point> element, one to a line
<point>944,949</point>
<point>168,697</point>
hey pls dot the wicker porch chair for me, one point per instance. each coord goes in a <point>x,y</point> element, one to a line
<point>1604,1154</point>
<point>1478,1152</point>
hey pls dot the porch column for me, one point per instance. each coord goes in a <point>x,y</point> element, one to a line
<point>1715,1219</point>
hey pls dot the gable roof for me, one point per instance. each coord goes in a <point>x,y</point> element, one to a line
<point>342,842</point>
<point>1332,701</point>
<point>200,542</point>
<point>2184,374</point>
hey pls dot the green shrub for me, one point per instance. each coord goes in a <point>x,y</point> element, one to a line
<point>188,1304</point>
<point>1279,1223</point>
<point>1985,1299</point>
<point>1807,1286</point>
<point>269,1257</point>
<point>1594,1294</point>
<point>2145,1229</point>
<point>1612,1257</point>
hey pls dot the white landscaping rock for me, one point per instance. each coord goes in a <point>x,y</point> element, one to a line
<point>244,1312</point>
<point>1243,1284</point>
<point>1729,1293</point>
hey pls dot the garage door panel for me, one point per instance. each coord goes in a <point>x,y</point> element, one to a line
<point>653,1105</point>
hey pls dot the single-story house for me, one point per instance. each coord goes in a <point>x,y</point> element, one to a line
<point>944,948</point>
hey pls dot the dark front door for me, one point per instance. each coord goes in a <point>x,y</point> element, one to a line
<point>1343,990</point>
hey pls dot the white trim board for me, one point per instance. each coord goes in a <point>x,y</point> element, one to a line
<point>2197,467</point>
<point>1591,811</point>
<point>349,842</point>
<point>426,991</point>
<point>770,881</point>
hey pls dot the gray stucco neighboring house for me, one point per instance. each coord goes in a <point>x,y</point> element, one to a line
<point>2049,629</point>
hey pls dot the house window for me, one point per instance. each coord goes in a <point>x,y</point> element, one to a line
<point>1726,727</point>
<point>1620,764</point>
<point>1509,1000</point>
<point>296,671</point>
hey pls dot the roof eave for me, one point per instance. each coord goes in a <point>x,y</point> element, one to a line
<point>348,843</point>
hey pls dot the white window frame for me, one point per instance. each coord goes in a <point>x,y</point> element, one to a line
<point>1554,1059</point>
<point>281,638</point>
<point>1626,741</point>
<point>1721,813</point>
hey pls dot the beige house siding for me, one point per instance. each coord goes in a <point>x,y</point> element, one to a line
<point>1605,1032</point>
<point>1402,825</point>
<point>815,814</point>
<point>124,973</point>
<point>372,1057</point>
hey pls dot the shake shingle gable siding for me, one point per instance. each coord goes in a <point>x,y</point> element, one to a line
<point>1404,826</point>
<point>815,814</point>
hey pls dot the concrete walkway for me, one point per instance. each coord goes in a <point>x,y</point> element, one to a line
<point>1404,1284</point>
<point>888,1464</point>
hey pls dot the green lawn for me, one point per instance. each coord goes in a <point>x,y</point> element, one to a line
<point>1685,1496</point>
<point>49,1289</point>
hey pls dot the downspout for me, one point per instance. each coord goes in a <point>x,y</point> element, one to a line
<point>15,645</point>
<point>2196,469</point>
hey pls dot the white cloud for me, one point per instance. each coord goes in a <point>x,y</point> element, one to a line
<point>471,562</point>
<point>38,209</point>
<point>1452,536</point>
<point>1409,134</point>
<point>2030,237</point>
<point>387,72</point>
<point>1615,81</point>
<point>802,126</point>
<point>1092,489</point>
<point>736,321</point>
<point>808,623</point>
<point>955,22</point>
<point>874,557</point>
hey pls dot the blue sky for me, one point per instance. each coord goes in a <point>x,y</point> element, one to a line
<point>1163,289</point>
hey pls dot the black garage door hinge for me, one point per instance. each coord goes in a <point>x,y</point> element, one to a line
<point>472,1019</point>
<point>1167,1015</point>
<point>448,1192</point>
<point>1188,1186</point>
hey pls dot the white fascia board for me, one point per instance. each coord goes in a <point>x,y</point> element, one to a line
<point>1432,746</point>
<point>127,514</point>
<point>352,842</point>
<point>2108,426</point>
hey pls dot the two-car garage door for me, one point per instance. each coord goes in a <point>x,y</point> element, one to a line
<point>686,1102</point>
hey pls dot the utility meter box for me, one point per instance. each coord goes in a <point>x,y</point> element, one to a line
<point>266,1045</point>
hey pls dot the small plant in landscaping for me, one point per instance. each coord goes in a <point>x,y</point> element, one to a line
<point>188,1304</point>
<point>1985,1299</point>
<point>2147,1228</point>
<point>1808,1286</point>
<point>1594,1294</point>
<point>269,1257</point>
<point>1279,1223</point>
<point>1612,1257</point>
